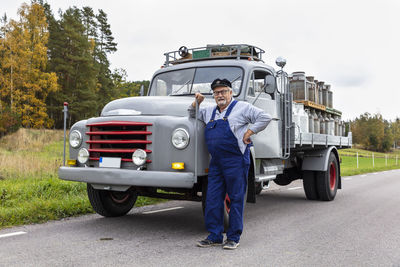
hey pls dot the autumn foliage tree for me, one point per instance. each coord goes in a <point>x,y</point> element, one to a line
<point>25,84</point>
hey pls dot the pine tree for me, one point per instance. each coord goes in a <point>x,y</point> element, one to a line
<point>72,60</point>
<point>105,44</point>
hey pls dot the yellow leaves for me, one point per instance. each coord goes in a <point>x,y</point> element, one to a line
<point>24,81</point>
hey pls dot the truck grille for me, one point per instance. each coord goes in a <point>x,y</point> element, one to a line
<point>117,139</point>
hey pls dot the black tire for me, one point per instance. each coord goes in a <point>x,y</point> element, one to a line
<point>282,180</point>
<point>310,185</point>
<point>111,203</point>
<point>327,181</point>
<point>258,188</point>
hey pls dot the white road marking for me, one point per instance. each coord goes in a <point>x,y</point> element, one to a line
<point>364,175</point>
<point>154,211</point>
<point>295,188</point>
<point>346,179</point>
<point>12,234</point>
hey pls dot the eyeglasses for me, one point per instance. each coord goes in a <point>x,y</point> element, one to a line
<point>221,92</point>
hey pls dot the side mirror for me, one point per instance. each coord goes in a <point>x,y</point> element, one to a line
<point>269,84</point>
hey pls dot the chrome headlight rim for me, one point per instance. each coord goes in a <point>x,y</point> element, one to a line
<point>139,157</point>
<point>75,145</point>
<point>83,156</point>
<point>186,143</point>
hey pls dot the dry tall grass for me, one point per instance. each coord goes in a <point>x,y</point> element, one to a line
<point>30,153</point>
<point>30,139</point>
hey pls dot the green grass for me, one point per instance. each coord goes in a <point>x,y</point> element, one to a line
<point>30,190</point>
<point>349,165</point>
<point>363,152</point>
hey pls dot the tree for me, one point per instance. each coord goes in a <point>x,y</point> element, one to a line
<point>25,82</point>
<point>373,132</point>
<point>104,45</point>
<point>72,60</point>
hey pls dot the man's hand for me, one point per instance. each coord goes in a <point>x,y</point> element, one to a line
<point>199,97</point>
<point>246,137</point>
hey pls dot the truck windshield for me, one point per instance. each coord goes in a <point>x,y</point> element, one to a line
<point>190,81</point>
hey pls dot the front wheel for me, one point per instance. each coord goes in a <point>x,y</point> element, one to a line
<point>327,181</point>
<point>111,203</point>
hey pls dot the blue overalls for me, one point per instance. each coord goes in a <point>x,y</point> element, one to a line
<point>227,175</point>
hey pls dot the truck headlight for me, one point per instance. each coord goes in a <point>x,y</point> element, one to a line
<point>75,139</point>
<point>83,155</point>
<point>139,157</point>
<point>180,138</point>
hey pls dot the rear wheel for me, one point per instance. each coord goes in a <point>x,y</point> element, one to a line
<point>310,185</point>
<point>327,181</point>
<point>111,203</point>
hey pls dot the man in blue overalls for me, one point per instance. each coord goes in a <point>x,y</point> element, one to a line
<point>227,136</point>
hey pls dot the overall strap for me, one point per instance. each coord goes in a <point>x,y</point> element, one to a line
<point>213,114</point>
<point>230,109</point>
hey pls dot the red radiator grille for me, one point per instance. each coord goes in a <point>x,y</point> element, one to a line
<point>117,139</point>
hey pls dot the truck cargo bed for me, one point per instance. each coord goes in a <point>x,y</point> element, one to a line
<point>315,139</point>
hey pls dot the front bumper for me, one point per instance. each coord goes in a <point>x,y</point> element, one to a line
<point>124,177</point>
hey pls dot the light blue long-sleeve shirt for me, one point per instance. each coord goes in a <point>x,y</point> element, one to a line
<point>243,116</point>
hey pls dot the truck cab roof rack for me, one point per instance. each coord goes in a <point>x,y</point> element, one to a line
<point>211,52</point>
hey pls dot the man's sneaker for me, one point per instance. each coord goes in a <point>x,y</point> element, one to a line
<point>229,244</point>
<point>205,243</point>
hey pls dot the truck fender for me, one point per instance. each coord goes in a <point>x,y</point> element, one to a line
<point>317,160</point>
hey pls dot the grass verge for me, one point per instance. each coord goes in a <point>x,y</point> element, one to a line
<point>30,190</point>
<point>348,166</point>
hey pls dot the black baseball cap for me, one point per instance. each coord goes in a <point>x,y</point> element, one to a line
<point>220,83</point>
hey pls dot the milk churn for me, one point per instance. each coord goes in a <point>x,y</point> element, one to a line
<point>326,121</point>
<point>316,91</point>
<point>310,121</point>
<point>330,97</point>
<point>325,95</point>
<point>316,122</point>
<point>321,123</point>
<point>331,125</point>
<point>337,119</point>
<point>298,86</point>
<point>320,87</point>
<point>311,88</point>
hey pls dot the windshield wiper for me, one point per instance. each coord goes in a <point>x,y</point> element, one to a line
<point>236,78</point>
<point>180,88</point>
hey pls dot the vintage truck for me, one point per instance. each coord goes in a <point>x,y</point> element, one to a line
<point>150,146</point>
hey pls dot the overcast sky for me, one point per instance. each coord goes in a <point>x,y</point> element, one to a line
<point>352,45</point>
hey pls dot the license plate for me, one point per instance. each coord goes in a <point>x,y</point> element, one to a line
<point>105,162</point>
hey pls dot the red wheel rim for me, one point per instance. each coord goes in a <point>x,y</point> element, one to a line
<point>227,202</point>
<point>119,197</point>
<point>332,176</point>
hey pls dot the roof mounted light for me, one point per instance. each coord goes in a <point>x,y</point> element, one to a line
<point>281,62</point>
<point>183,51</point>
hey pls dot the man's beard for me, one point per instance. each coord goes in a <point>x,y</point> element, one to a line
<point>222,102</point>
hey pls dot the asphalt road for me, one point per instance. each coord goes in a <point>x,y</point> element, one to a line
<point>361,227</point>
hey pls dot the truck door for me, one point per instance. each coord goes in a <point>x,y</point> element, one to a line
<point>268,143</point>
